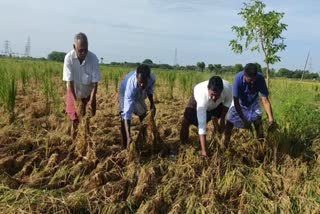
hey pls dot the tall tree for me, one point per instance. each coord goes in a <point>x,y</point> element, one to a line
<point>237,68</point>
<point>217,68</point>
<point>201,65</point>
<point>210,67</point>
<point>147,61</point>
<point>57,56</point>
<point>262,31</point>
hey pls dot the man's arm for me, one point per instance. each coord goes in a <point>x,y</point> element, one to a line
<point>128,108</point>
<point>150,91</point>
<point>152,106</point>
<point>202,123</point>
<point>127,126</point>
<point>239,111</point>
<point>221,121</point>
<point>93,101</point>
<point>268,108</point>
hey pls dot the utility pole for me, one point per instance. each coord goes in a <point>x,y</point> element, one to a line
<point>305,65</point>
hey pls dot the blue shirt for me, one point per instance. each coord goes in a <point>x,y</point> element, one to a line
<point>246,92</point>
<point>130,91</point>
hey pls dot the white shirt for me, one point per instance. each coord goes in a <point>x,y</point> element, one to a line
<point>204,103</point>
<point>82,75</point>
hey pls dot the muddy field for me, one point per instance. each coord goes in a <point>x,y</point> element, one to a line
<point>43,171</point>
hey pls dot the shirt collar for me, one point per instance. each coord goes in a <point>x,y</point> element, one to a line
<point>74,56</point>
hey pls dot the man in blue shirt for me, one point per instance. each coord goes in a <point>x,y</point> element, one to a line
<point>245,109</point>
<point>134,89</point>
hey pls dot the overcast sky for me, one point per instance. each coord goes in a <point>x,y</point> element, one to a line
<point>133,30</point>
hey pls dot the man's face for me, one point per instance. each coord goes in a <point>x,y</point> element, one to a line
<point>250,80</point>
<point>81,49</point>
<point>214,95</point>
<point>142,81</point>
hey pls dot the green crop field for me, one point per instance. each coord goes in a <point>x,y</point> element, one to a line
<point>43,171</point>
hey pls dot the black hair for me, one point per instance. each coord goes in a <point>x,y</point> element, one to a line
<point>215,84</point>
<point>250,70</point>
<point>144,71</point>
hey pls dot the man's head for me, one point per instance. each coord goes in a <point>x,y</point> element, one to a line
<point>143,75</point>
<point>250,73</point>
<point>215,87</point>
<point>80,45</point>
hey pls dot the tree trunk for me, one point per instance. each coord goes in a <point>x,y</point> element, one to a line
<point>268,75</point>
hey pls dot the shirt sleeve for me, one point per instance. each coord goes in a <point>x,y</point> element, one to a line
<point>236,86</point>
<point>263,87</point>
<point>150,89</point>
<point>67,69</point>
<point>96,75</point>
<point>129,96</point>
<point>201,113</point>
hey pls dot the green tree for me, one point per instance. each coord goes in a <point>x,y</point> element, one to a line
<point>237,68</point>
<point>201,66</point>
<point>217,68</point>
<point>262,31</point>
<point>210,67</point>
<point>147,62</point>
<point>57,56</point>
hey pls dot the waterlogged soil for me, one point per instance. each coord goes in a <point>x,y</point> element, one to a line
<point>43,170</point>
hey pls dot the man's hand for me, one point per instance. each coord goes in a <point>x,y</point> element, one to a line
<point>272,126</point>
<point>246,124</point>
<point>153,110</point>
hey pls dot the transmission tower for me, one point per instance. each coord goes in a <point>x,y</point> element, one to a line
<point>175,61</point>
<point>310,65</point>
<point>7,50</point>
<point>27,48</point>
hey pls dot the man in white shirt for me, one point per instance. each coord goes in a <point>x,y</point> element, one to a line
<point>82,73</point>
<point>211,99</point>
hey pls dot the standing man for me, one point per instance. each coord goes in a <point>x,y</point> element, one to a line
<point>134,89</point>
<point>246,102</point>
<point>82,73</point>
<point>211,99</point>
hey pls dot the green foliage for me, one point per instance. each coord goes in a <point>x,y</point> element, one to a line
<point>217,68</point>
<point>201,66</point>
<point>57,56</point>
<point>301,120</point>
<point>210,67</point>
<point>147,62</point>
<point>8,93</point>
<point>24,79</point>
<point>237,68</point>
<point>262,31</point>
<point>49,90</point>
<point>171,79</point>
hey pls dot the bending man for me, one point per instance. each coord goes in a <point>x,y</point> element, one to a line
<point>134,89</point>
<point>210,100</point>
